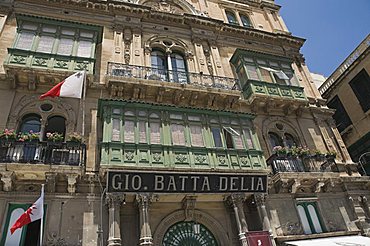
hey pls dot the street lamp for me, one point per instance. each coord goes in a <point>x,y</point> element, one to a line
<point>360,162</point>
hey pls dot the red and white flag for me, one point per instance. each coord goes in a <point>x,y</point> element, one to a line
<point>70,87</point>
<point>35,212</point>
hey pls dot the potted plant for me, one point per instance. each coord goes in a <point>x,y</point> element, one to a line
<point>54,138</point>
<point>280,151</point>
<point>30,140</point>
<point>74,139</point>
<point>331,155</point>
<point>8,135</point>
<point>303,151</point>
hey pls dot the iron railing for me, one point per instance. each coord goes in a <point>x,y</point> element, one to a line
<point>181,77</point>
<point>302,164</point>
<point>35,152</point>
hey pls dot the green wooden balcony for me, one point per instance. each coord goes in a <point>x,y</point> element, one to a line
<point>31,59</point>
<point>254,88</point>
<point>162,156</point>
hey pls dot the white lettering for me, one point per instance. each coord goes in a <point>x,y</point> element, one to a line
<point>183,179</point>
<point>232,183</point>
<point>158,182</point>
<point>242,185</point>
<point>126,181</point>
<point>195,179</point>
<point>117,185</point>
<point>172,184</point>
<point>252,183</point>
<point>206,184</point>
<point>259,184</point>
<point>223,183</point>
<point>136,182</point>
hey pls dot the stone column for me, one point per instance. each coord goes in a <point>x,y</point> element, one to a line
<point>114,204</point>
<point>234,201</point>
<point>261,208</point>
<point>143,201</point>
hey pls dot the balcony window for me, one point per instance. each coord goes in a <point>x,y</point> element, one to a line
<point>275,140</point>
<point>196,135</point>
<point>231,18</point>
<point>245,20</point>
<point>342,120</point>
<point>177,134</point>
<point>55,124</point>
<point>168,67</point>
<point>55,38</point>
<point>309,217</point>
<point>31,122</point>
<point>360,85</point>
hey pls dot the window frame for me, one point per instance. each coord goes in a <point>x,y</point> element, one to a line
<point>305,205</point>
<point>231,15</point>
<point>360,86</point>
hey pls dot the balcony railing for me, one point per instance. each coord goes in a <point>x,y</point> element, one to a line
<point>68,153</point>
<point>182,77</point>
<point>253,87</point>
<point>302,164</point>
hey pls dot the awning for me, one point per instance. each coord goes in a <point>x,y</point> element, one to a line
<point>332,241</point>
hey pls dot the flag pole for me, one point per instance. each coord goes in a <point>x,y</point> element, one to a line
<point>42,215</point>
<point>83,105</point>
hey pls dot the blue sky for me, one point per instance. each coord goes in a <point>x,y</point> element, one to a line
<point>332,29</point>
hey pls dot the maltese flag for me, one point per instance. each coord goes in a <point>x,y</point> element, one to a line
<point>35,212</point>
<point>70,87</point>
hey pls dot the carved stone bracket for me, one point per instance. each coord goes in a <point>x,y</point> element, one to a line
<point>7,178</point>
<point>114,200</point>
<point>50,181</point>
<point>72,180</point>
<point>284,185</point>
<point>260,199</point>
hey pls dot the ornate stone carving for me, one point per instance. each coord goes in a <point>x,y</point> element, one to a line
<point>50,182</point>
<point>284,186</point>
<point>114,200</point>
<point>72,180</point>
<point>260,199</point>
<point>7,178</point>
<point>188,204</point>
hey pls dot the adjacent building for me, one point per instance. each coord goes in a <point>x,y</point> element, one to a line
<point>347,91</point>
<point>201,125</point>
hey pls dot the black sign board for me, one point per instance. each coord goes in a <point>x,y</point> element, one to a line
<point>174,182</point>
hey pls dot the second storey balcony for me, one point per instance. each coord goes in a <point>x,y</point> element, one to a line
<point>315,163</point>
<point>171,86</point>
<point>35,152</point>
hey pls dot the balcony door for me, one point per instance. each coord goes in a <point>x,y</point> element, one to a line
<point>168,67</point>
<point>55,124</point>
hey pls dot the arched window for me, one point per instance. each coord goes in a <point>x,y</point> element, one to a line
<point>231,18</point>
<point>289,140</point>
<point>245,21</point>
<point>275,140</point>
<point>168,67</point>
<point>55,124</point>
<point>30,122</point>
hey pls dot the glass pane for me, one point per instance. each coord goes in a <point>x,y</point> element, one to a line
<point>66,31</point>
<point>252,72</point>
<point>196,135</point>
<point>216,133</point>
<point>25,40</point>
<point>314,218</point>
<point>86,34</point>
<point>245,21</point>
<point>30,123</point>
<point>178,134</point>
<point>129,131</point>
<point>84,48</point>
<point>238,140</point>
<point>142,132</point>
<point>65,46</point>
<point>155,133</point>
<point>45,44</point>
<point>49,29</point>
<point>29,26</point>
<point>248,138</point>
<point>275,140</point>
<point>116,130</point>
<point>290,142</point>
<point>266,76</point>
<point>231,18</point>
<point>304,220</point>
<point>158,60</point>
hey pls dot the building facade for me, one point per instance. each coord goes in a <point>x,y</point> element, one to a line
<point>347,91</point>
<point>201,125</point>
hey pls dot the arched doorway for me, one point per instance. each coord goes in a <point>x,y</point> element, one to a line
<point>183,234</point>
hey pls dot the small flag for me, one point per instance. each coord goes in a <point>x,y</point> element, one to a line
<point>35,212</point>
<point>70,87</point>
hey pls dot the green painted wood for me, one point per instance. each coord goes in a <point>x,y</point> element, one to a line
<point>174,156</point>
<point>182,234</point>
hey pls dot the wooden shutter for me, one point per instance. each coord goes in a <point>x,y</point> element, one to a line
<point>248,139</point>
<point>142,132</point>
<point>116,130</point>
<point>177,133</point>
<point>238,140</point>
<point>155,133</point>
<point>252,72</point>
<point>196,135</point>
<point>266,76</point>
<point>129,131</point>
